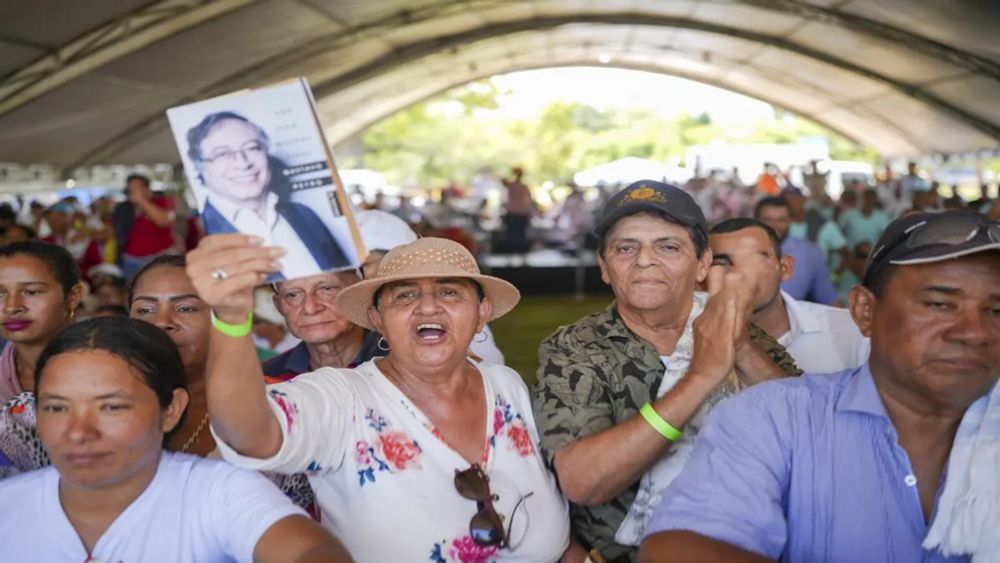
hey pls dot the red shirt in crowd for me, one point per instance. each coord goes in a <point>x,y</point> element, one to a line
<point>146,238</point>
<point>91,255</point>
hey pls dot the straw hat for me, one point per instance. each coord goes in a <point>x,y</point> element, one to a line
<point>424,258</point>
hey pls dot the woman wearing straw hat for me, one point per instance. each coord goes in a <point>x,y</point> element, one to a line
<point>424,455</point>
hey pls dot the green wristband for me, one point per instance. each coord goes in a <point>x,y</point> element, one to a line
<point>235,331</point>
<point>662,426</point>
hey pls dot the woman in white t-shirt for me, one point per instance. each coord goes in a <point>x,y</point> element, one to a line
<point>424,455</point>
<point>109,391</point>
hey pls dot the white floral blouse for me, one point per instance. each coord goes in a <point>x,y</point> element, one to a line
<point>384,479</point>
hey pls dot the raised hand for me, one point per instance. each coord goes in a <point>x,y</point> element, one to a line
<point>722,326</point>
<point>225,269</point>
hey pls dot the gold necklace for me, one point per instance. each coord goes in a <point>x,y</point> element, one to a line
<point>197,432</point>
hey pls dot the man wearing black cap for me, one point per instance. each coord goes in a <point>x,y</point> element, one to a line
<point>616,388</point>
<point>851,466</point>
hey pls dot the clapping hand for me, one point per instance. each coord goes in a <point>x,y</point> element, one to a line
<point>721,329</point>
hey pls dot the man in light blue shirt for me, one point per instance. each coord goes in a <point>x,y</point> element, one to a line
<point>865,224</point>
<point>849,467</point>
<point>814,226</point>
<point>811,279</point>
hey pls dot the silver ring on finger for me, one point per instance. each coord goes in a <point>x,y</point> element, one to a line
<point>220,274</point>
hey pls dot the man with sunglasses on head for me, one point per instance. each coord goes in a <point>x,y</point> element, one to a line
<point>892,461</point>
<point>248,192</point>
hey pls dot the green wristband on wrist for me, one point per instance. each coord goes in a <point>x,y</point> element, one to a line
<point>662,426</point>
<point>235,331</point>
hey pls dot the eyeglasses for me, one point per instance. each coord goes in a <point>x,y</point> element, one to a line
<point>326,292</point>
<point>250,150</point>
<point>486,526</point>
<point>952,230</point>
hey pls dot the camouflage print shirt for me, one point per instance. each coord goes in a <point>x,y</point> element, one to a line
<point>593,375</point>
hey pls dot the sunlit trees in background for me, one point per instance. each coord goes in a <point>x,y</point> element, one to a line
<point>448,138</point>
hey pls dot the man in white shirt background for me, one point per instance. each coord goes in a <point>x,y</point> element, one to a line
<point>822,339</point>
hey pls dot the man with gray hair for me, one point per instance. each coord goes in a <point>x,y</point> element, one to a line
<point>622,390</point>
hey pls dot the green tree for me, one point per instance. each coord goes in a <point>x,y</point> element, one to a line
<point>450,137</point>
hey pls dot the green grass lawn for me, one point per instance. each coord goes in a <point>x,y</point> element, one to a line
<point>519,333</point>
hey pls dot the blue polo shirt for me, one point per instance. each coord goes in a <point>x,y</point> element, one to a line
<point>811,279</point>
<point>296,361</point>
<point>803,469</point>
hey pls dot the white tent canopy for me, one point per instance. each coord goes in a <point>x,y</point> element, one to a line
<point>84,83</point>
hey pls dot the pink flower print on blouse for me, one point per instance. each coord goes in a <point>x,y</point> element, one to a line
<point>286,405</point>
<point>520,439</point>
<point>462,550</point>
<point>400,450</point>
<point>362,456</point>
<point>390,451</point>
<point>498,417</point>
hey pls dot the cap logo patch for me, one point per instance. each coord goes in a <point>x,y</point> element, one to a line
<point>643,193</point>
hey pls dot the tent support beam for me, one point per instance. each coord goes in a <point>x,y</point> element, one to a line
<point>105,44</point>
<point>415,51</point>
<point>410,53</point>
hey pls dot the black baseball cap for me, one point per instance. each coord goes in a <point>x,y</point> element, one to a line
<point>650,195</point>
<point>923,238</point>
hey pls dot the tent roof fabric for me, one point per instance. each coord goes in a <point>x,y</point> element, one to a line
<point>87,82</point>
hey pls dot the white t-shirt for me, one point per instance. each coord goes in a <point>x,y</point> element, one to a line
<point>822,339</point>
<point>384,480</point>
<point>669,466</point>
<point>194,510</point>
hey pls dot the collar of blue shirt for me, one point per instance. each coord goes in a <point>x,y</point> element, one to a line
<point>862,396</point>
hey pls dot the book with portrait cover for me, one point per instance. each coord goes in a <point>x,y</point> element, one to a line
<point>259,164</point>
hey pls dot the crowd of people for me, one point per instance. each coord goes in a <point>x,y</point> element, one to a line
<point>779,377</point>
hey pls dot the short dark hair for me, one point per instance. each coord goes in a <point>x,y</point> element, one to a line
<point>145,348</point>
<point>740,223</point>
<point>697,238</point>
<point>115,281</point>
<point>164,261</point>
<point>29,233</point>
<point>772,201</point>
<point>140,177</point>
<point>199,132</point>
<point>57,258</point>
<point>880,280</point>
<point>112,310</point>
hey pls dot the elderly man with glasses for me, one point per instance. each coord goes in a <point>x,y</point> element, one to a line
<point>328,338</point>
<point>622,393</point>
